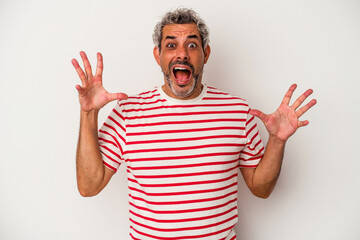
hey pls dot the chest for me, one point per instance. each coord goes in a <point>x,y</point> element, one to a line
<point>166,140</point>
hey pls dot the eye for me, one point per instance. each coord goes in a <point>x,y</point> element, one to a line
<point>170,45</point>
<point>192,45</point>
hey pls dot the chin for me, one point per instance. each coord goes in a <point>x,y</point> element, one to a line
<point>182,91</point>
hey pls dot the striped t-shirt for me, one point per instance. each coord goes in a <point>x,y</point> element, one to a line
<point>182,159</point>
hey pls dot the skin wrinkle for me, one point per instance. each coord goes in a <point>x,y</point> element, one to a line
<point>182,46</point>
<point>181,16</point>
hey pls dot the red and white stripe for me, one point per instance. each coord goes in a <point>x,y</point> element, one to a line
<point>182,160</point>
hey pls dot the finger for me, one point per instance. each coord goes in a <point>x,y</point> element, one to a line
<point>99,66</point>
<point>86,63</point>
<point>303,123</point>
<point>79,89</point>
<point>79,71</point>
<point>117,96</point>
<point>258,113</point>
<point>305,108</point>
<point>301,99</point>
<point>288,94</point>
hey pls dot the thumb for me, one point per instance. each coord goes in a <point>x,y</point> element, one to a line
<point>117,96</point>
<point>79,89</point>
<point>258,113</point>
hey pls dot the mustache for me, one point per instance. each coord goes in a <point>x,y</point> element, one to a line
<point>186,63</point>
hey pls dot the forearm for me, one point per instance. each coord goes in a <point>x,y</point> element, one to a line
<point>268,170</point>
<point>89,166</point>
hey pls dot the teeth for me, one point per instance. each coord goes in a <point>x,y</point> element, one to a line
<point>179,68</point>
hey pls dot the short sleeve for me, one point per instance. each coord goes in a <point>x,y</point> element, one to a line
<point>112,139</point>
<point>253,151</point>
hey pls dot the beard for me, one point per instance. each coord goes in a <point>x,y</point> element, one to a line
<point>182,92</point>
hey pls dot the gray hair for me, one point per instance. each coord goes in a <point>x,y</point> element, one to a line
<point>181,16</point>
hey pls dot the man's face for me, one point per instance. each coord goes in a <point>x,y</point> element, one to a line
<point>182,60</point>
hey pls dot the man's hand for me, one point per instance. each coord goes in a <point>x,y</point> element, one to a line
<point>92,95</point>
<point>92,176</point>
<point>281,125</point>
<point>285,120</point>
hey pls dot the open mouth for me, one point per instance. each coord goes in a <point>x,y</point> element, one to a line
<point>182,74</point>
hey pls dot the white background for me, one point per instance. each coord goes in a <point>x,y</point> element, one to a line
<point>259,48</point>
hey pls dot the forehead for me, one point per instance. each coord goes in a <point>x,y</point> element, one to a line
<point>180,30</point>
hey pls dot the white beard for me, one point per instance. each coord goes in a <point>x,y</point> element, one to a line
<point>182,94</point>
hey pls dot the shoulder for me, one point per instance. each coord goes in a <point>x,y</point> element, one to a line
<point>140,100</point>
<point>215,94</point>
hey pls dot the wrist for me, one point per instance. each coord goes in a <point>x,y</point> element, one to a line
<point>276,141</point>
<point>89,114</point>
<point>89,119</point>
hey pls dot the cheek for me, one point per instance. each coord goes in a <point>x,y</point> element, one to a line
<point>199,59</point>
<point>164,61</point>
<point>165,64</point>
<point>199,65</point>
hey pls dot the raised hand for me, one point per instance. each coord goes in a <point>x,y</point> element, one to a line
<point>92,95</point>
<point>285,120</point>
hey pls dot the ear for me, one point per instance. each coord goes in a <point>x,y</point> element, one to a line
<point>157,54</point>
<point>207,51</point>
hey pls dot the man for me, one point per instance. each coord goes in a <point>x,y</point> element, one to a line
<point>182,143</point>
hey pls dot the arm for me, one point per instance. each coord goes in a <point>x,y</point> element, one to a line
<point>281,125</point>
<point>92,176</point>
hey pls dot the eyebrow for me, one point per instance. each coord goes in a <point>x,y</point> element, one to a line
<point>170,37</point>
<point>190,36</point>
<point>193,36</point>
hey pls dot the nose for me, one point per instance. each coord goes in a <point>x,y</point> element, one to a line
<point>182,53</point>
